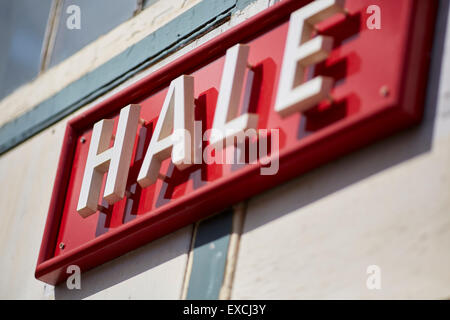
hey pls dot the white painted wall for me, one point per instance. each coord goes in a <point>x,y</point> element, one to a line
<point>154,271</point>
<point>26,174</point>
<point>388,205</point>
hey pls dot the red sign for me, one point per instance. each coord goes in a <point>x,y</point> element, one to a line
<point>313,99</point>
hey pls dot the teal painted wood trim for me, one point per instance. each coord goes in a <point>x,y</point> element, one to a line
<point>210,256</point>
<point>164,41</point>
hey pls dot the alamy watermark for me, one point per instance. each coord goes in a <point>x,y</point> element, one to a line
<point>73,21</point>
<point>373,281</point>
<point>374,21</point>
<point>74,280</point>
<point>248,146</point>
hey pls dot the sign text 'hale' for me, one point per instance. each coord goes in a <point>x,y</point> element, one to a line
<point>175,134</point>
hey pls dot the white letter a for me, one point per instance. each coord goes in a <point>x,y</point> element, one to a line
<point>74,20</point>
<point>374,21</point>
<point>174,132</point>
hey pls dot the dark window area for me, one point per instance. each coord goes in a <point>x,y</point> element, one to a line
<point>148,3</point>
<point>22,31</point>
<point>28,45</point>
<point>96,18</point>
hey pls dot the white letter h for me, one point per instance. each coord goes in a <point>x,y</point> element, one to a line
<point>115,160</point>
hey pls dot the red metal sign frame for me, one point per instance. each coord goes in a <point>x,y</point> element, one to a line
<point>403,107</point>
